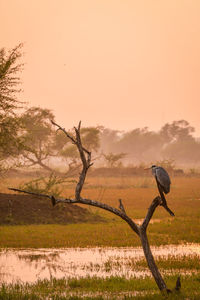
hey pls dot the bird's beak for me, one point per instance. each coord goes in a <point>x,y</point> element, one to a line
<point>147,168</point>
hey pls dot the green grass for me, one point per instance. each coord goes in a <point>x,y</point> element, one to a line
<point>184,200</point>
<point>96,288</point>
<point>168,231</point>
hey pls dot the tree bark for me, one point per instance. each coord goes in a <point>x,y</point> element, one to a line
<point>150,260</point>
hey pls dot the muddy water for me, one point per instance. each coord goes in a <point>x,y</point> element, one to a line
<point>33,264</point>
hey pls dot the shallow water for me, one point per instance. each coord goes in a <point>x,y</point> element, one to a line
<point>29,265</point>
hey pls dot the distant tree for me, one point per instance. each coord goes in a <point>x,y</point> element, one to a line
<point>176,131</point>
<point>91,138</point>
<point>41,142</point>
<point>179,144</point>
<point>37,137</point>
<point>174,142</point>
<point>141,144</point>
<point>113,160</point>
<point>183,151</point>
<point>108,139</point>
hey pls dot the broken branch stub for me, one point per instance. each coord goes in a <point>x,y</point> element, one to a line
<point>85,157</point>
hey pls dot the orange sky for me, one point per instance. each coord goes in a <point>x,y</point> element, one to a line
<point>118,63</point>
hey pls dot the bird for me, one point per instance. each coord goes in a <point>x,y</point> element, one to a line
<point>163,182</point>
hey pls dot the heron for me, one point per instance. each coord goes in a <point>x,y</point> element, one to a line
<point>163,182</point>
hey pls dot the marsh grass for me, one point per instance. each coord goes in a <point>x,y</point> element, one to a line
<point>38,257</point>
<point>96,288</point>
<point>171,262</point>
<point>180,264</point>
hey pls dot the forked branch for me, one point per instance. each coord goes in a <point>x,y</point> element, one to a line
<point>85,157</point>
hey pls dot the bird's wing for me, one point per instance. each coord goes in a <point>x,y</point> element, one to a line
<point>163,179</point>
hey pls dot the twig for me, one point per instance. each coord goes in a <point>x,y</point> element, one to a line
<point>31,193</point>
<point>121,206</point>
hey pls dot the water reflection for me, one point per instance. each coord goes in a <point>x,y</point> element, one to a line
<point>33,264</point>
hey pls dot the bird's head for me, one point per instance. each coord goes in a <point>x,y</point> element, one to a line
<point>152,167</point>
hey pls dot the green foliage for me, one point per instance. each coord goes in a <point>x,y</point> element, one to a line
<point>36,122</point>
<point>9,80</point>
<point>10,142</point>
<point>37,133</point>
<point>70,152</point>
<point>45,185</point>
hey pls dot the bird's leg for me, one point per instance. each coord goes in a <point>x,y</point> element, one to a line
<point>164,202</point>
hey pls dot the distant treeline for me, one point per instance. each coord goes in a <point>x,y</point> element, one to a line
<point>29,139</point>
<point>173,142</point>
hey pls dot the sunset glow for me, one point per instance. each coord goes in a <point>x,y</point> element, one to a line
<point>121,64</point>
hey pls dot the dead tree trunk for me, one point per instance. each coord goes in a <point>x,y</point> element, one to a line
<point>85,156</point>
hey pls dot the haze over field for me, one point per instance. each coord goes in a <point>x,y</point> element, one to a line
<point>121,64</point>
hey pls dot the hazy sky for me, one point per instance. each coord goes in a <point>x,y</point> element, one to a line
<point>121,64</point>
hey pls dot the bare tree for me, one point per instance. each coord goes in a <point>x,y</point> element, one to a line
<point>140,230</point>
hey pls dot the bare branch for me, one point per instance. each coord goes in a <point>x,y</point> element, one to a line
<point>65,132</point>
<point>104,206</point>
<point>157,201</point>
<point>121,206</point>
<point>80,147</point>
<point>86,163</point>
<point>79,126</point>
<point>31,193</point>
<point>111,209</point>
